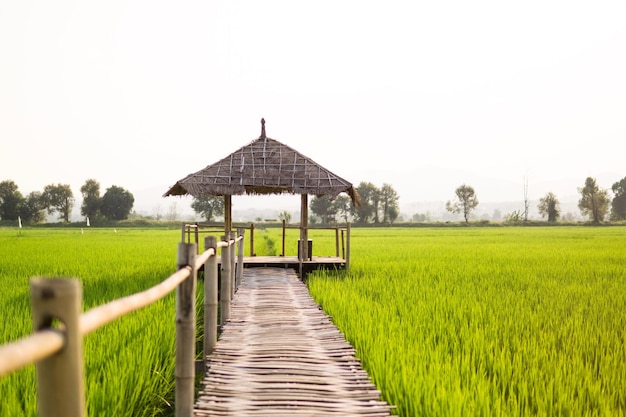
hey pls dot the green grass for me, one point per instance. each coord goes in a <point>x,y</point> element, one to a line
<point>490,322</point>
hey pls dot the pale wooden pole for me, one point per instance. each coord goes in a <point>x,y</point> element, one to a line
<point>210,297</point>
<point>348,247</point>
<point>240,232</point>
<point>225,284</point>
<point>60,377</point>
<point>185,371</point>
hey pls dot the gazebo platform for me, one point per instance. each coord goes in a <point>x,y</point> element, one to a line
<point>292,262</point>
<point>317,262</point>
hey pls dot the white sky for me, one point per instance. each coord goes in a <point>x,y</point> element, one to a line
<point>424,95</point>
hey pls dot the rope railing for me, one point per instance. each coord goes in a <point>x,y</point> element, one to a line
<point>57,351</point>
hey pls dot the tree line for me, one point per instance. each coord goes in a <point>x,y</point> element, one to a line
<point>380,205</point>
<point>377,205</point>
<point>115,204</point>
<point>594,202</point>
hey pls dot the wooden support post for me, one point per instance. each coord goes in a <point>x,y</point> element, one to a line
<point>337,241</point>
<point>60,377</point>
<point>240,232</point>
<point>225,284</point>
<point>252,240</point>
<point>284,232</point>
<point>348,247</point>
<point>233,264</point>
<point>228,214</point>
<point>185,371</point>
<point>210,298</point>
<point>304,227</point>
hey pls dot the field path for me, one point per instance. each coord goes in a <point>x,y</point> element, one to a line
<point>280,355</point>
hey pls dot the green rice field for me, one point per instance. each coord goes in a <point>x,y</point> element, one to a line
<point>499,321</point>
<point>487,321</point>
<point>129,364</point>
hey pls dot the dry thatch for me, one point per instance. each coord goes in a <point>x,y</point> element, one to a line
<point>265,166</point>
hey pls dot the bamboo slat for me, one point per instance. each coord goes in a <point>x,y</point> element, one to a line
<point>280,355</point>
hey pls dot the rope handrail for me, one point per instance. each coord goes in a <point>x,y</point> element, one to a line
<point>29,350</point>
<point>43,343</point>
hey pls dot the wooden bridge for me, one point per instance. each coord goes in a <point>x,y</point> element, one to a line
<point>280,355</point>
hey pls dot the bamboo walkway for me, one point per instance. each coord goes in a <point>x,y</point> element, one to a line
<point>280,355</point>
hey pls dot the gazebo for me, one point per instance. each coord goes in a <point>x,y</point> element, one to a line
<point>265,166</point>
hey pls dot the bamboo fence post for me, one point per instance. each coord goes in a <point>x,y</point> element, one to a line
<point>240,232</point>
<point>225,285</point>
<point>185,371</point>
<point>233,263</point>
<point>348,247</point>
<point>210,297</point>
<point>60,377</point>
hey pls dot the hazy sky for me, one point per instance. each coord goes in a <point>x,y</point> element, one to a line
<point>424,95</point>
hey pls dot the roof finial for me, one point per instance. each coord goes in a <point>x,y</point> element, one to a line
<point>263,128</point>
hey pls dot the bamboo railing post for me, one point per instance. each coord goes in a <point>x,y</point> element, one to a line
<point>225,285</point>
<point>240,232</point>
<point>210,297</point>
<point>233,264</point>
<point>348,247</point>
<point>337,241</point>
<point>185,371</point>
<point>60,377</point>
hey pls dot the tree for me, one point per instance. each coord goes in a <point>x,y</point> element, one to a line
<point>323,208</point>
<point>33,208</point>
<point>58,198</point>
<point>549,207</point>
<point>10,200</point>
<point>393,213</point>
<point>389,203</point>
<point>367,191</point>
<point>91,198</point>
<point>343,207</point>
<point>594,201</point>
<point>618,205</point>
<point>116,203</point>
<point>465,203</point>
<point>285,216</point>
<point>208,206</point>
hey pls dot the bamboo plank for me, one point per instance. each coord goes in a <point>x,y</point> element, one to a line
<point>280,355</point>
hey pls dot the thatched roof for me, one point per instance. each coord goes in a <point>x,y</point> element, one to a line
<point>264,166</point>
